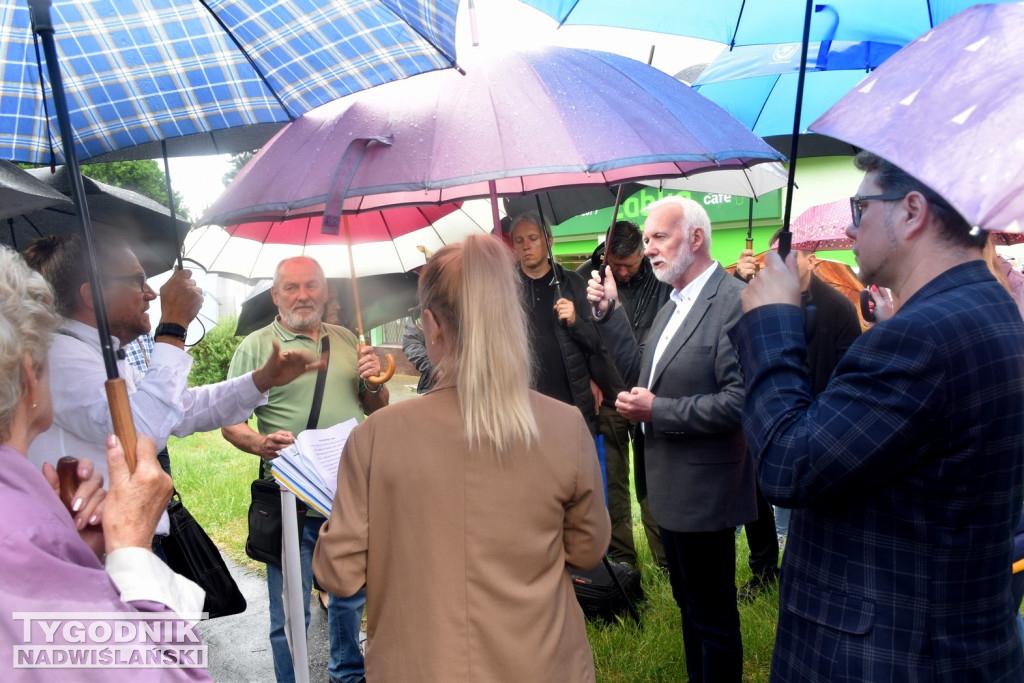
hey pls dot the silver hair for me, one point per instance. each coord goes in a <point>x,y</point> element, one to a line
<point>27,323</point>
<point>694,215</point>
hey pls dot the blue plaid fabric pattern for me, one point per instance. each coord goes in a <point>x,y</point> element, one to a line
<point>139,352</point>
<point>139,71</point>
<point>906,477</point>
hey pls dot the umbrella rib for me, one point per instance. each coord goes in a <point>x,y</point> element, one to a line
<point>245,53</point>
<point>46,109</point>
<point>736,29</point>
<point>428,41</point>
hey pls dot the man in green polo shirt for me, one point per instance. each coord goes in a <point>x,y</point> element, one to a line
<point>300,292</point>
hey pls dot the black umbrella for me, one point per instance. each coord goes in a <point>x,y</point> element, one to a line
<point>383,297</point>
<point>114,211</point>
<point>20,193</point>
<point>558,206</point>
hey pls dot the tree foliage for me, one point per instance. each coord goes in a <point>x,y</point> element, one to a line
<point>145,177</point>
<point>211,357</point>
<point>237,161</point>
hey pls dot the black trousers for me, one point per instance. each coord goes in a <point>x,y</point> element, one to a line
<point>702,571</point>
<point>762,539</point>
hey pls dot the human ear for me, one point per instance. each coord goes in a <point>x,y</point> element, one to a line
<point>85,292</point>
<point>917,210</point>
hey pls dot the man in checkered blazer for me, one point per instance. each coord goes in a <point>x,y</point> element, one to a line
<point>905,474</point>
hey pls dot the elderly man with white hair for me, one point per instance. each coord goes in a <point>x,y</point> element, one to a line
<point>688,396</point>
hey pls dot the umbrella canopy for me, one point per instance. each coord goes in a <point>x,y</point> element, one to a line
<point>383,298</point>
<point>947,109</point>
<point>388,241</point>
<point>757,84</point>
<point>115,212</point>
<point>746,182</point>
<point>219,75</point>
<point>760,22</point>
<point>21,192</point>
<point>525,121</point>
<point>823,227</point>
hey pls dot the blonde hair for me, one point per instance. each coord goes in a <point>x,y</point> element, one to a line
<point>470,288</point>
<point>27,322</point>
<point>988,252</point>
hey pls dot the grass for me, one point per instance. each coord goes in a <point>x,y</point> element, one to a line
<point>213,479</point>
<point>654,653</point>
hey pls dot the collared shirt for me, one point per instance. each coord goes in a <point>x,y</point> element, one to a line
<point>288,407</point>
<point>683,299</point>
<point>46,567</point>
<point>161,401</point>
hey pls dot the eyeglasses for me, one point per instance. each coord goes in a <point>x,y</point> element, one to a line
<point>137,279</point>
<point>416,313</point>
<point>857,210</point>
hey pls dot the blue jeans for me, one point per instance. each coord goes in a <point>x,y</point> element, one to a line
<point>344,616</point>
<point>782,521</point>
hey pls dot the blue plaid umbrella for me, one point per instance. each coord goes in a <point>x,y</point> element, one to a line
<point>206,76</point>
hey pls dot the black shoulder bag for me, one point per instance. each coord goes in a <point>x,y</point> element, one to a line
<point>264,541</point>
<point>191,553</point>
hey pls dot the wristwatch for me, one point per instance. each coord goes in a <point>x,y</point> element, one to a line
<point>172,330</point>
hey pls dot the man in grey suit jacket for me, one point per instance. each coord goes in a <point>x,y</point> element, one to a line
<point>688,395</point>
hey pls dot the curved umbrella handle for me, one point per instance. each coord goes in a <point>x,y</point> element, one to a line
<point>389,372</point>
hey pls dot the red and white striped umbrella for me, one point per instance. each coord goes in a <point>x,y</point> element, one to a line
<point>388,241</point>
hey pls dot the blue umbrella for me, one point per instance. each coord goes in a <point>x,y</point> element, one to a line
<point>204,75</point>
<point>757,84</point>
<point>761,22</point>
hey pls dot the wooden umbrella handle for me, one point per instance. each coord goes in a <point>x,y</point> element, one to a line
<point>67,475</point>
<point>389,372</point>
<point>121,415</point>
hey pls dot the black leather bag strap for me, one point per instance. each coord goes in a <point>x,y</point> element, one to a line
<point>321,381</point>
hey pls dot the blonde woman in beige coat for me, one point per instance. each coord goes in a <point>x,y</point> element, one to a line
<point>461,510</point>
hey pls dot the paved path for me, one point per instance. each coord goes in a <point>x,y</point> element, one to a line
<point>239,646</point>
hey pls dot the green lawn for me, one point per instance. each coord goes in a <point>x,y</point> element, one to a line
<point>213,479</point>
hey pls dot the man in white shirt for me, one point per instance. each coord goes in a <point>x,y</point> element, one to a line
<point>688,396</point>
<point>161,401</point>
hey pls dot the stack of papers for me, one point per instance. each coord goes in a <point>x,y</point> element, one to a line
<point>309,467</point>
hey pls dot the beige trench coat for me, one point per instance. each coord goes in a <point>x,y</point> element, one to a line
<point>464,557</point>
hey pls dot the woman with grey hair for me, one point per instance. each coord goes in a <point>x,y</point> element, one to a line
<point>88,555</point>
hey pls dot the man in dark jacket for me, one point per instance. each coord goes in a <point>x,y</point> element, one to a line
<point>833,328</point>
<point>641,295</point>
<point>561,326</point>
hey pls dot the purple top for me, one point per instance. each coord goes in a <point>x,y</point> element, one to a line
<point>46,567</point>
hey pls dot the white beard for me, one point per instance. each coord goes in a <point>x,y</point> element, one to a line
<point>673,271</point>
<point>302,322</point>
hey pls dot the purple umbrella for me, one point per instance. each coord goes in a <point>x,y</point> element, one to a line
<point>947,109</point>
<point>517,122</point>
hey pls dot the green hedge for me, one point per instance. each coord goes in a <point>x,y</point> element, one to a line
<point>212,356</point>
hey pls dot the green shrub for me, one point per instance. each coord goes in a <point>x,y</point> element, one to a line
<point>212,356</point>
